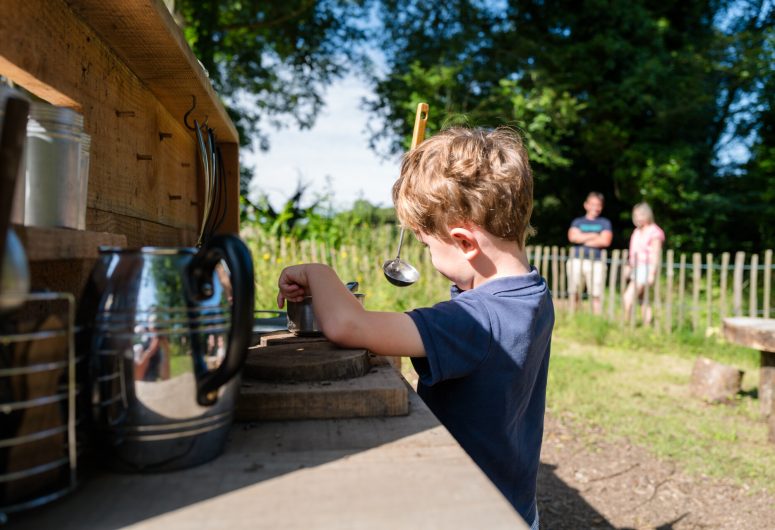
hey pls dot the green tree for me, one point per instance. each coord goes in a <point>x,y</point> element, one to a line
<point>634,99</point>
<point>271,61</point>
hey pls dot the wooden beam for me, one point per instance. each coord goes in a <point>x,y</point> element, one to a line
<point>145,36</point>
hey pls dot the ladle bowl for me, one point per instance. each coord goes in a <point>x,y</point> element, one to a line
<point>400,273</point>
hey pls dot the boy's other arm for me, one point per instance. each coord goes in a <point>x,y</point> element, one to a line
<point>342,319</point>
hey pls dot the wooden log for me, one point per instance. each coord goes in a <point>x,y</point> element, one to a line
<point>696,282</point>
<point>709,289</point>
<point>612,283</point>
<point>555,271</point>
<point>669,292</point>
<point>767,282</point>
<point>753,297</point>
<point>737,284</point>
<point>715,382</point>
<point>723,285</point>
<point>681,289</point>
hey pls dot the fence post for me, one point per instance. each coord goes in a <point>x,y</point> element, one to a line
<point>563,285</point>
<point>753,297</point>
<point>555,270</point>
<point>602,258</point>
<point>767,285</point>
<point>669,291</point>
<point>591,286</point>
<point>612,283</point>
<point>646,297</point>
<point>573,279</point>
<point>696,280</point>
<point>723,286</point>
<point>737,284</point>
<point>545,267</point>
<point>681,288</point>
<point>709,288</point>
<point>623,278</point>
<point>537,259</point>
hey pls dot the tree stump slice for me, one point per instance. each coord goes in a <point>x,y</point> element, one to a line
<point>715,382</point>
<point>305,362</point>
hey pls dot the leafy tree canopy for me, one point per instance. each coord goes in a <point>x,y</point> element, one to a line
<point>639,99</point>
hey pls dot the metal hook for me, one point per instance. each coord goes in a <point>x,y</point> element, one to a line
<point>185,116</point>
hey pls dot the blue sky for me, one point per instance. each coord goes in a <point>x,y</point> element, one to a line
<point>335,150</point>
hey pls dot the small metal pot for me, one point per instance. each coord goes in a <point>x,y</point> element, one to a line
<point>301,319</point>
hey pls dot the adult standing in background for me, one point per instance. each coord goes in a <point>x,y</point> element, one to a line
<point>645,254</point>
<point>590,234</point>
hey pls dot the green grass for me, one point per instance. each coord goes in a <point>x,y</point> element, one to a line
<point>636,386</point>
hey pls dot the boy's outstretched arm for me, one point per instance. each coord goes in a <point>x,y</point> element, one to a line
<point>342,319</point>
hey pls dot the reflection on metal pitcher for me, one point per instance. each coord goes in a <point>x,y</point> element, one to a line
<point>170,338</point>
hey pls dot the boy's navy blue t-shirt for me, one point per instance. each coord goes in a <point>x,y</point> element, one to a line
<point>485,373</point>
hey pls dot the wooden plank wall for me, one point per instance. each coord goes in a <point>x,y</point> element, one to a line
<point>143,168</point>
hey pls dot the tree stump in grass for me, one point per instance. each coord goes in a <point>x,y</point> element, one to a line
<point>715,382</point>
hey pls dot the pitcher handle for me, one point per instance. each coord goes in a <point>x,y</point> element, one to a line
<point>233,251</point>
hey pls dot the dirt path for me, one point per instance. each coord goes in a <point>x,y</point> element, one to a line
<point>616,485</point>
<point>604,484</point>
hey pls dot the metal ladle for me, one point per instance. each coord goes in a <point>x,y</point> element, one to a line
<point>397,271</point>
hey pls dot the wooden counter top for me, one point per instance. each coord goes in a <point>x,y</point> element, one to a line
<point>399,472</point>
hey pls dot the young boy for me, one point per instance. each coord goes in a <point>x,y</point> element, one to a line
<point>482,356</point>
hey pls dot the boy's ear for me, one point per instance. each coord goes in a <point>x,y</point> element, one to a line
<point>465,240</point>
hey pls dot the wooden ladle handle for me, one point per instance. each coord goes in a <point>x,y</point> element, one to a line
<point>420,119</point>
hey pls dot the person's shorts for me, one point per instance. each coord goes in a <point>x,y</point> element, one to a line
<point>586,273</point>
<point>641,275</point>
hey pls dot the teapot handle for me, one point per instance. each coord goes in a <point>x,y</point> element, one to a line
<point>233,251</point>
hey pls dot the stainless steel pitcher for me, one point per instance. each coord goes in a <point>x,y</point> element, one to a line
<point>170,337</point>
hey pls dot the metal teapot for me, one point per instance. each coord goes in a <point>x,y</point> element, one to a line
<point>170,337</point>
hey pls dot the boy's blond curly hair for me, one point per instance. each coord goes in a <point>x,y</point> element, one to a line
<point>466,175</point>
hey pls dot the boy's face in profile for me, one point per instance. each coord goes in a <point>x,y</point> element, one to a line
<point>448,259</point>
<point>593,206</point>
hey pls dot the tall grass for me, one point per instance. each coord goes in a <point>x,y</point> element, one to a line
<point>359,258</point>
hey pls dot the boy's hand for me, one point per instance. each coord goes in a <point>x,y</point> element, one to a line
<point>292,285</point>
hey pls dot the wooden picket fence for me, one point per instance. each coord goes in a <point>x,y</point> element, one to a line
<point>691,291</point>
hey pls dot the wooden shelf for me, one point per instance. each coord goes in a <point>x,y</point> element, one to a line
<point>53,244</point>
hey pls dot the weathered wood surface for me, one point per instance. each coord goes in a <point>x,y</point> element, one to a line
<point>304,362</point>
<point>126,67</point>
<point>375,473</point>
<point>715,382</point>
<point>757,333</point>
<point>381,392</point>
<point>45,244</point>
